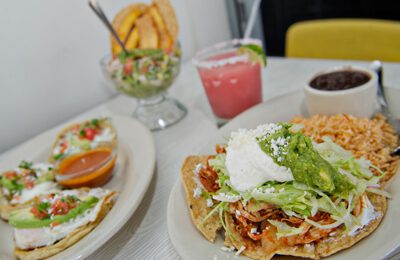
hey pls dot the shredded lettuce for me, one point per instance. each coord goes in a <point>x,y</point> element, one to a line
<point>301,200</point>
<point>284,230</point>
<point>345,161</point>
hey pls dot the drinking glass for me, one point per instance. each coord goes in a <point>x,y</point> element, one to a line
<point>232,81</point>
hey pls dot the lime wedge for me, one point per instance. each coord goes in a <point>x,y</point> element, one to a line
<point>255,53</point>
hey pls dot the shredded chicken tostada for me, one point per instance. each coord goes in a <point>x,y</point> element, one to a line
<point>276,191</point>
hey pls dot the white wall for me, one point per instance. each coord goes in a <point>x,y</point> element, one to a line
<point>49,53</point>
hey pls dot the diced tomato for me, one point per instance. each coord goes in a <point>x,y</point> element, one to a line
<point>10,175</point>
<point>220,149</point>
<point>128,67</point>
<point>90,133</point>
<point>54,224</point>
<point>29,184</point>
<point>60,207</point>
<point>37,213</point>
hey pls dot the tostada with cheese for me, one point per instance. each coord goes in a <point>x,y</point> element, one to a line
<point>57,221</point>
<point>84,136</point>
<point>276,191</point>
<point>19,186</point>
<point>85,153</point>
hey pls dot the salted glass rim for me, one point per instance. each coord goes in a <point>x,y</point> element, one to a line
<point>200,59</point>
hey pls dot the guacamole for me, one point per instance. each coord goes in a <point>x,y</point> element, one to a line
<point>296,152</point>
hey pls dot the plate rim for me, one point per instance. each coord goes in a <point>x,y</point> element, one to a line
<point>150,163</point>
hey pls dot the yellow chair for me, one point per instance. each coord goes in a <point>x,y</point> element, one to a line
<point>356,39</point>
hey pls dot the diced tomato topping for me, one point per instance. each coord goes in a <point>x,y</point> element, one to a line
<point>29,184</point>
<point>38,213</point>
<point>220,149</point>
<point>54,224</point>
<point>64,146</point>
<point>60,207</point>
<point>128,67</point>
<point>10,175</point>
<point>90,133</point>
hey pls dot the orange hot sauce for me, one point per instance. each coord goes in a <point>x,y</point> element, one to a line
<point>90,169</point>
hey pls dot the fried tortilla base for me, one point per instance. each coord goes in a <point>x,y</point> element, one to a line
<point>198,206</point>
<point>322,248</point>
<point>71,239</point>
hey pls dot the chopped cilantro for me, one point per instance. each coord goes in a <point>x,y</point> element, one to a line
<point>43,206</point>
<point>58,156</point>
<point>71,198</point>
<point>25,165</point>
<point>82,132</point>
<point>16,187</point>
<point>95,122</point>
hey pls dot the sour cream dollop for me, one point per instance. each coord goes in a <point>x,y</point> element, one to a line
<point>248,166</point>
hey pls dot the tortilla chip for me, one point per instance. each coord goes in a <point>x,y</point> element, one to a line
<point>198,206</point>
<point>71,239</point>
<point>103,124</point>
<point>169,17</point>
<point>123,24</point>
<point>322,248</point>
<point>148,36</point>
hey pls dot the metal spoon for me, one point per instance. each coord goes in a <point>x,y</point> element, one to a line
<point>99,12</point>
<point>377,67</point>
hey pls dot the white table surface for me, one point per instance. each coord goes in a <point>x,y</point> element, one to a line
<point>145,235</point>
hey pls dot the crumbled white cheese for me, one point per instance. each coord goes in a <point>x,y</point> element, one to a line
<point>226,197</point>
<point>209,203</point>
<point>241,249</point>
<point>227,249</point>
<point>253,230</point>
<point>260,191</point>
<point>197,192</point>
<point>238,213</point>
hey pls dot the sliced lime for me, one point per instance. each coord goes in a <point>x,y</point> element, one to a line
<point>255,52</point>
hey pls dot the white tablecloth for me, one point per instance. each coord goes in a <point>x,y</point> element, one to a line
<point>145,235</point>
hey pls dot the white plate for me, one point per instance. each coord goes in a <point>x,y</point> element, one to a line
<point>190,244</point>
<point>132,176</point>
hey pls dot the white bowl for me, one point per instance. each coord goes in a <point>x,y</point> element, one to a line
<point>358,101</point>
<point>393,98</point>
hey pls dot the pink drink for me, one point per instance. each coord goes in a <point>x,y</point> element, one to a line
<point>231,86</point>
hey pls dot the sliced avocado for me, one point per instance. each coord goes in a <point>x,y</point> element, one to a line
<point>23,218</point>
